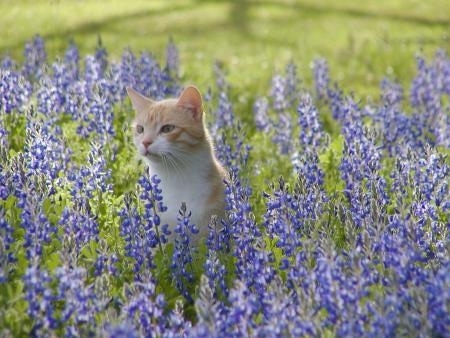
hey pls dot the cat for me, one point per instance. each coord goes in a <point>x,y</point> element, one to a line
<point>170,135</point>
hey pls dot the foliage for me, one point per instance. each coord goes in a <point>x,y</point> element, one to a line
<point>337,231</point>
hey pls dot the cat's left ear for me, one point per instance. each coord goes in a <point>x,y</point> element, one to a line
<point>191,100</point>
<point>140,102</point>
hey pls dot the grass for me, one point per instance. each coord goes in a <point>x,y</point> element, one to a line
<point>363,41</point>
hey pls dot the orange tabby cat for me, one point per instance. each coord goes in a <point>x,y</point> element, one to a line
<point>171,137</point>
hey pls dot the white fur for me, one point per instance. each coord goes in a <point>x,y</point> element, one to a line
<point>187,181</point>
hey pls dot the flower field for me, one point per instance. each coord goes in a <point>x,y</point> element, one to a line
<point>337,210</point>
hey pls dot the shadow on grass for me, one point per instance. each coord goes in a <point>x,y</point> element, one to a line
<point>238,19</point>
<point>241,8</point>
<point>96,26</point>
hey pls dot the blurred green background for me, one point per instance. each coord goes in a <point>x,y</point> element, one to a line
<point>362,40</point>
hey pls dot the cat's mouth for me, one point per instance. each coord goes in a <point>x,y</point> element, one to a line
<point>152,155</point>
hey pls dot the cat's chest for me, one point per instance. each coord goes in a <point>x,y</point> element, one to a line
<point>192,188</point>
<point>193,192</point>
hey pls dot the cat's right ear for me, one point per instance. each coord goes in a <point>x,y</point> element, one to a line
<point>140,102</point>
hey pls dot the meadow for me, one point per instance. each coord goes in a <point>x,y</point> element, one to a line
<point>336,140</point>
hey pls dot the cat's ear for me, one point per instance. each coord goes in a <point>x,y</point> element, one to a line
<point>140,102</point>
<point>191,100</point>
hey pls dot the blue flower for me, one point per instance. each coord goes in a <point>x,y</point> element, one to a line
<point>182,257</point>
<point>139,237</point>
<point>79,224</point>
<point>214,269</point>
<point>7,255</point>
<point>427,87</point>
<point>35,58</point>
<point>392,93</point>
<point>321,78</point>
<point>172,60</point>
<point>15,90</point>
<point>129,70</point>
<point>278,93</point>
<point>40,298</point>
<point>120,330</point>
<point>311,133</point>
<point>224,115</point>
<point>144,308</point>
<point>151,80</point>
<point>101,55</point>
<point>260,113</point>
<point>79,301</point>
<point>72,61</point>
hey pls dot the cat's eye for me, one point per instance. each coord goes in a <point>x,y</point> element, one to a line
<point>167,128</point>
<point>139,129</point>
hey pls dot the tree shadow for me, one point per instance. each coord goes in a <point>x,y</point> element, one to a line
<point>361,13</point>
<point>96,26</point>
<point>238,18</point>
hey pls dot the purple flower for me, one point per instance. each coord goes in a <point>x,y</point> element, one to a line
<point>101,55</point>
<point>208,310</point>
<point>72,61</point>
<point>7,256</point>
<point>391,93</point>
<point>397,129</point>
<point>438,298</point>
<point>181,266</point>
<point>35,58</point>
<point>151,81</point>
<point>283,133</point>
<point>336,102</point>
<point>4,146</point>
<point>240,319</point>
<point>79,301</point>
<point>278,93</point>
<point>91,178</point>
<point>429,84</point>
<point>40,299</point>
<point>15,90</point>
<point>120,330</point>
<point>8,63</point>
<point>292,83</point>
<point>50,98</point>
<point>151,197</point>
<point>432,178</point>
<point>144,308</point>
<point>215,271</point>
<point>139,237</point>
<point>143,232</point>
<point>172,60</point>
<point>321,78</point>
<point>311,133</point>
<point>31,190</point>
<point>260,113</point>
<point>224,115</point>
<point>221,82</point>
<point>79,224</point>
<point>282,220</point>
<point>92,70</point>
<point>101,111</point>
<point>129,70</point>
<point>307,166</point>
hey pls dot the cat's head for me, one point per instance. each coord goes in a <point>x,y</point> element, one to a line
<point>168,130</point>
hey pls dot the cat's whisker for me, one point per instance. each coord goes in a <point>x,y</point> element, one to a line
<point>180,160</point>
<point>183,156</point>
<point>164,160</point>
<point>173,164</point>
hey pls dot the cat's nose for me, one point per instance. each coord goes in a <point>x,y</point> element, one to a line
<point>146,143</point>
